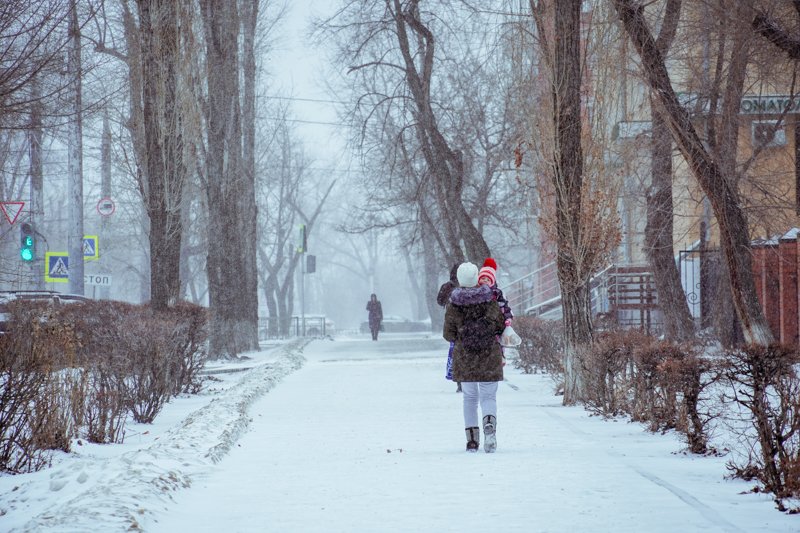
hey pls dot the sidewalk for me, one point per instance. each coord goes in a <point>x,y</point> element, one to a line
<point>368,436</point>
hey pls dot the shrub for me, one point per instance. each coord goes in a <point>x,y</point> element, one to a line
<point>101,406</point>
<point>764,382</point>
<point>33,417</point>
<point>189,351</point>
<point>684,375</point>
<point>82,369</point>
<point>608,370</point>
<point>542,345</point>
<point>656,382</point>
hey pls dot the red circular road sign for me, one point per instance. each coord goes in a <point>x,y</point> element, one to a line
<point>106,207</point>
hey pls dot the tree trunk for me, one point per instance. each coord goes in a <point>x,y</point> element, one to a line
<point>568,181</point>
<point>270,289</point>
<point>431,281</point>
<point>248,207</point>
<point>105,192</point>
<point>159,32</point>
<point>233,326</point>
<point>445,164</point>
<point>678,324</point>
<point>733,228</point>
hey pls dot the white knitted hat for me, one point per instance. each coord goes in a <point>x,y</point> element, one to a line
<point>467,275</point>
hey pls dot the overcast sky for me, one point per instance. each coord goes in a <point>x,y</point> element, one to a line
<point>298,70</point>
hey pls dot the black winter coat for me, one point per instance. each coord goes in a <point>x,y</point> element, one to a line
<point>474,302</point>
<point>375,314</point>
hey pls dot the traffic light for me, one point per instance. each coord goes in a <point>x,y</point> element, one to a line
<point>27,250</point>
<point>303,247</point>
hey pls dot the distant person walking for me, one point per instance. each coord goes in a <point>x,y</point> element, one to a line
<point>443,298</point>
<point>473,321</point>
<point>375,315</point>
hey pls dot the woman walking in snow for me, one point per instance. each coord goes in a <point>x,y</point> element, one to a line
<point>473,321</point>
<point>375,315</point>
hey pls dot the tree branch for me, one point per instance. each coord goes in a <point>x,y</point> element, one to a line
<point>771,30</point>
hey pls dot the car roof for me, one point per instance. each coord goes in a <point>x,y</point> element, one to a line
<point>7,296</point>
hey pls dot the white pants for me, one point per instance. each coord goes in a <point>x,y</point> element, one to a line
<point>474,392</point>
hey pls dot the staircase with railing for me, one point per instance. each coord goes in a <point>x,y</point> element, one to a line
<point>625,293</point>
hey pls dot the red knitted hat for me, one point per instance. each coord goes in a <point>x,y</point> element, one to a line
<point>489,270</point>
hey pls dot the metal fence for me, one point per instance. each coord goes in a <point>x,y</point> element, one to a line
<point>308,326</point>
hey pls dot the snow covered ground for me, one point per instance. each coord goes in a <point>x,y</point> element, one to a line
<point>354,435</point>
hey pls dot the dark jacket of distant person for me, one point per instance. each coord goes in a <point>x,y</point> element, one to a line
<point>375,312</point>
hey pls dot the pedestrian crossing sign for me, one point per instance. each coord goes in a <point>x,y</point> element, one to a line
<point>56,267</point>
<point>91,250</point>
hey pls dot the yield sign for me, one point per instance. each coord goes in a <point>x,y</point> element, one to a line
<point>12,210</point>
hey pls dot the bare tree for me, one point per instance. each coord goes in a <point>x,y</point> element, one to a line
<point>285,192</point>
<point>159,35</point>
<point>678,324</point>
<point>33,38</point>
<point>248,209</point>
<point>719,186</point>
<point>234,318</point>
<point>405,114</point>
<point>778,30</point>
<point>563,53</point>
<point>417,44</point>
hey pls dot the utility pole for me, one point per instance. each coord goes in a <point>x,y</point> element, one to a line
<point>75,160</point>
<point>36,181</point>
<point>105,192</point>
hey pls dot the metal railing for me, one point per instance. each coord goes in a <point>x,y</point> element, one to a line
<point>627,293</point>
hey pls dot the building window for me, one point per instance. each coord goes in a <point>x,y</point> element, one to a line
<point>768,133</point>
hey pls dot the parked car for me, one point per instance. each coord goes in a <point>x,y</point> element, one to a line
<point>399,324</point>
<point>51,297</point>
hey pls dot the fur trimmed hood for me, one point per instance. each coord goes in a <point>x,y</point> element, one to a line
<point>471,295</point>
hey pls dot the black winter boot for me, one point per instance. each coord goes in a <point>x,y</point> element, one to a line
<point>489,433</point>
<point>473,439</point>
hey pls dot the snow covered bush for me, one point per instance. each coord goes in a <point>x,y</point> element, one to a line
<point>765,386</point>
<point>189,354</point>
<point>657,382</point>
<point>542,346</point>
<point>100,407</point>
<point>81,370</point>
<point>681,376</point>
<point>34,415</point>
<point>158,353</point>
<point>608,371</point>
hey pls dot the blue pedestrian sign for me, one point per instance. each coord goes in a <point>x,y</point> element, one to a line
<point>91,250</point>
<point>56,267</point>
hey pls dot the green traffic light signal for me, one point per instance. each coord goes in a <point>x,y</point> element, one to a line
<point>27,249</point>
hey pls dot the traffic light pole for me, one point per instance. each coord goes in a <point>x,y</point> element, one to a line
<point>303,290</point>
<point>302,250</point>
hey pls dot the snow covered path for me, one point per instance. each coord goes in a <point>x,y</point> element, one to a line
<point>368,436</point>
